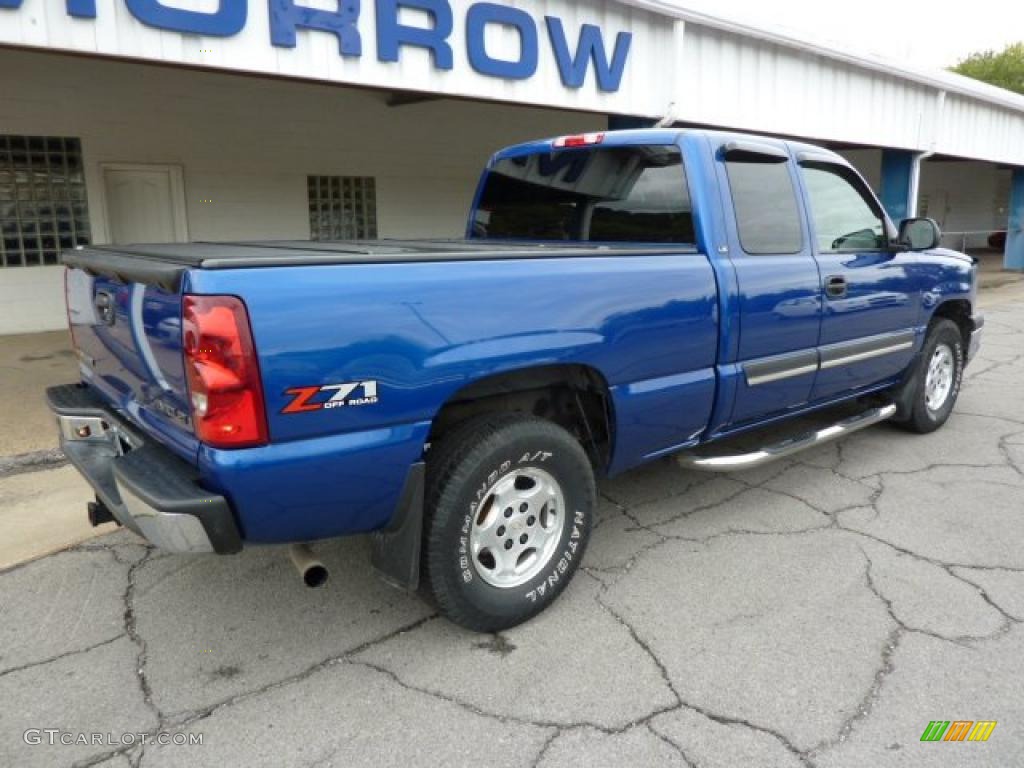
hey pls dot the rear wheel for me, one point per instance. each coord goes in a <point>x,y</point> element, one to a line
<point>937,379</point>
<point>510,500</point>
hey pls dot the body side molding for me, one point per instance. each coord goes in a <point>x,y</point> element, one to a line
<point>768,369</point>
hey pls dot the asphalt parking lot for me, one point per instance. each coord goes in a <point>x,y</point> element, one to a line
<point>818,612</point>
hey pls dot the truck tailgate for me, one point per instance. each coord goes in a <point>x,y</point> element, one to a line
<point>128,339</point>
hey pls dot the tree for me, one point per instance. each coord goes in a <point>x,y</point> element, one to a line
<point>1004,69</point>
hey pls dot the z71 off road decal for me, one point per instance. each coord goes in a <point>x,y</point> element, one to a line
<point>331,396</point>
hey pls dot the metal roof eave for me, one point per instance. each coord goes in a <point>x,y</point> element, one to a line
<point>938,79</point>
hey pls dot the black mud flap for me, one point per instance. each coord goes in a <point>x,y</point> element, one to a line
<point>396,549</point>
<point>902,395</point>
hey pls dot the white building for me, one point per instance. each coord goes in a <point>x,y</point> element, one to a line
<point>143,120</point>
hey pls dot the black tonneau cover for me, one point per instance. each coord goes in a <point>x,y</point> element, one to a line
<point>164,264</point>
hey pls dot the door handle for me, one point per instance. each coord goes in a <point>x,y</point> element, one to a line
<point>835,286</point>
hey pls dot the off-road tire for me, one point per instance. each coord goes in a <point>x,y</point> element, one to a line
<point>461,468</point>
<point>922,417</point>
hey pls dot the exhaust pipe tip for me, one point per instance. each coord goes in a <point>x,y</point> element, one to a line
<point>313,573</point>
<point>315,576</point>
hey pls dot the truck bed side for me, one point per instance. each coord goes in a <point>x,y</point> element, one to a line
<point>646,323</point>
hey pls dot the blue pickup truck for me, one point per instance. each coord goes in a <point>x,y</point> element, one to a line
<point>617,297</point>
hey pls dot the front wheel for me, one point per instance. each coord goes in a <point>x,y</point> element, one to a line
<point>510,501</point>
<point>937,379</point>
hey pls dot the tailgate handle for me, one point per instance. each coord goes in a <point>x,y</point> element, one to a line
<point>104,304</point>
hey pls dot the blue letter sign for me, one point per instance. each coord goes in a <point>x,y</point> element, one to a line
<point>391,35</point>
<point>82,9</point>
<point>286,17</point>
<point>482,14</point>
<point>228,20</point>
<point>591,46</point>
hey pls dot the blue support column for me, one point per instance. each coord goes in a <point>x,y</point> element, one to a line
<point>1013,258</point>
<point>898,168</point>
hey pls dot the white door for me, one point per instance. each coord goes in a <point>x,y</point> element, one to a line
<point>144,203</point>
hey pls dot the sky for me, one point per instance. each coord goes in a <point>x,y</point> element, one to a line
<point>933,34</point>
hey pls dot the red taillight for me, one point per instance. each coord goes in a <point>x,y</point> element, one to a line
<point>223,375</point>
<point>579,140</point>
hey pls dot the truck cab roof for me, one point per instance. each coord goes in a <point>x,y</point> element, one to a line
<point>665,136</point>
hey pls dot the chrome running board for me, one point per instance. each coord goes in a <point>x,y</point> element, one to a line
<point>786,447</point>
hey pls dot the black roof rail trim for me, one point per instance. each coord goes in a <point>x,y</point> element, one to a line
<point>810,156</point>
<point>754,152</point>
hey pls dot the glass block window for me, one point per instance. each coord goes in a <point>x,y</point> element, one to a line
<point>342,207</point>
<point>43,208</point>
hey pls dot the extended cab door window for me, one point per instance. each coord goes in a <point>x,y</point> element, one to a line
<point>779,286</point>
<point>602,194</point>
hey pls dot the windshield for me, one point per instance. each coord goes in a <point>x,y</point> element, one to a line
<point>609,194</point>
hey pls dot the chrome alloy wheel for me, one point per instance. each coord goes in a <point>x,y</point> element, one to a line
<point>938,382</point>
<point>517,527</point>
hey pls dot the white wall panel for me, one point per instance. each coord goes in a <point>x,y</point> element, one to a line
<point>763,82</point>
<point>751,84</point>
<point>971,128</point>
<point>32,299</point>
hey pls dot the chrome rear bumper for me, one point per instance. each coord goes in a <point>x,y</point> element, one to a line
<point>146,487</point>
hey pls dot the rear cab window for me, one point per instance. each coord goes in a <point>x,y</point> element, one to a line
<point>764,200</point>
<point>596,194</point>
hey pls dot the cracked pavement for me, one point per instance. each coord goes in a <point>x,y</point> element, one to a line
<point>816,612</point>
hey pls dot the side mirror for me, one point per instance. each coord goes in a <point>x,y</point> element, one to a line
<point>919,234</point>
